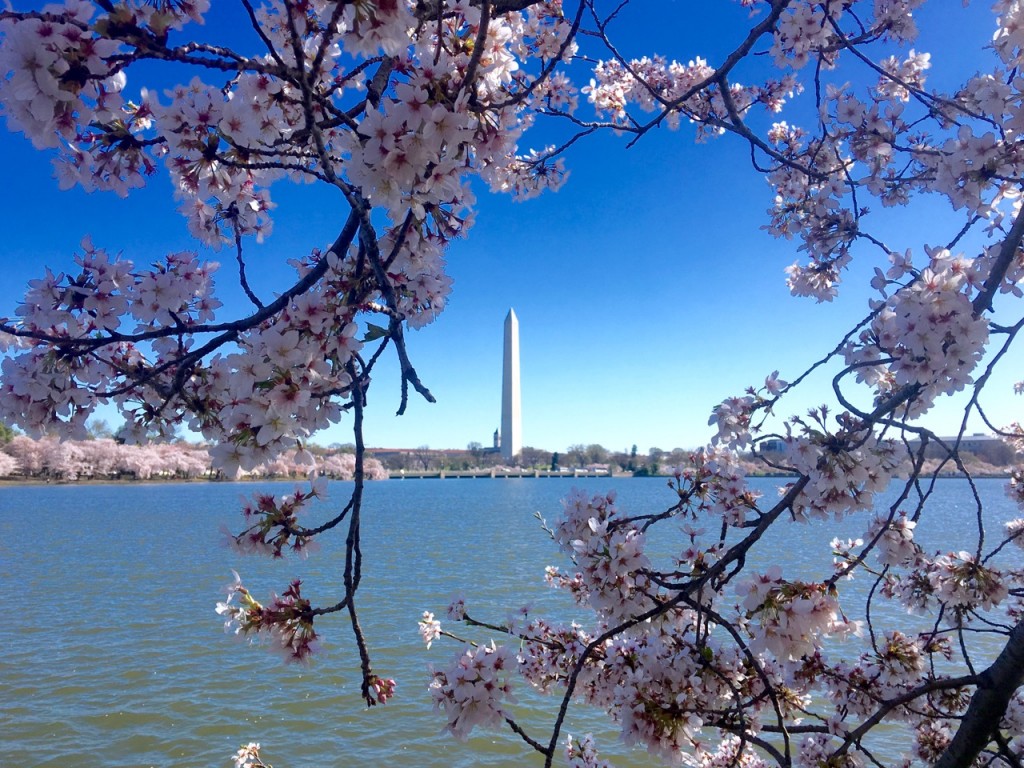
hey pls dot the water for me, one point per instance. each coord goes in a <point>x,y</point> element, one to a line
<point>113,656</point>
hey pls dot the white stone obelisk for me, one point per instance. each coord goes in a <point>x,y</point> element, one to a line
<point>511,404</point>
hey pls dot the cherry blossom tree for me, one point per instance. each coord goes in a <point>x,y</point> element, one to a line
<point>27,453</point>
<point>396,106</point>
<point>8,465</point>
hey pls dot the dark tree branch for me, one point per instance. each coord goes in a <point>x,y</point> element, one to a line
<point>1008,252</point>
<point>242,279</point>
<point>996,686</point>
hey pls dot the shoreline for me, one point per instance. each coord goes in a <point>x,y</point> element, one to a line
<point>454,475</point>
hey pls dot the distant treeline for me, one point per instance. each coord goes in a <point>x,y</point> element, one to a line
<point>986,454</point>
<point>578,456</point>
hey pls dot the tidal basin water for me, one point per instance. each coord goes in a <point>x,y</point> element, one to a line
<point>111,653</point>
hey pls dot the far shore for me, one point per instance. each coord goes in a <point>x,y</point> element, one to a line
<point>418,475</point>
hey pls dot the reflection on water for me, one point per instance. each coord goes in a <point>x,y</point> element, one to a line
<point>112,655</point>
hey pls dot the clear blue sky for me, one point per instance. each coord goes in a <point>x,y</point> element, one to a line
<point>645,289</point>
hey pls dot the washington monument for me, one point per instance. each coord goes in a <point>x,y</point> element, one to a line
<point>511,404</point>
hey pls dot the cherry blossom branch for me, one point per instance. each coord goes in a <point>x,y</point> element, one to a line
<point>147,46</point>
<point>549,68</point>
<point>927,99</point>
<point>518,731</point>
<point>722,71</point>
<point>353,552</point>
<point>409,375</point>
<point>478,49</point>
<point>327,38</point>
<point>735,554</point>
<point>258,29</point>
<point>737,125</point>
<point>301,286</point>
<point>910,696</point>
<point>42,16</point>
<point>430,9</point>
<point>835,352</point>
<point>785,756</point>
<point>183,365</point>
<point>241,270</point>
<point>1008,251</point>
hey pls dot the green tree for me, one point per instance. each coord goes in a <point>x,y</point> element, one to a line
<point>577,454</point>
<point>533,457</point>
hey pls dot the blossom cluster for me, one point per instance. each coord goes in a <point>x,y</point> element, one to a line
<point>286,622</point>
<point>549,651</point>
<point>712,481</point>
<point>895,540</point>
<point>473,691</point>
<point>47,391</point>
<point>272,523</point>
<point>927,334</point>
<point>582,753</point>
<point>609,552</point>
<point>733,418</point>
<point>430,628</point>
<point>62,77</point>
<point>898,663</point>
<point>791,618</point>
<point>382,689</point>
<point>682,90</point>
<point>844,469</point>
<point>960,581</point>
<point>248,756</point>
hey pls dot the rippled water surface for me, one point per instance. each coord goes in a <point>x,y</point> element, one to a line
<point>112,654</point>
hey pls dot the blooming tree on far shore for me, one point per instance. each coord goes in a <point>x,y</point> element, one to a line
<point>396,106</point>
<point>106,458</point>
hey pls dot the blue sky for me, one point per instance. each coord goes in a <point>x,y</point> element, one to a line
<point>645,289</point>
